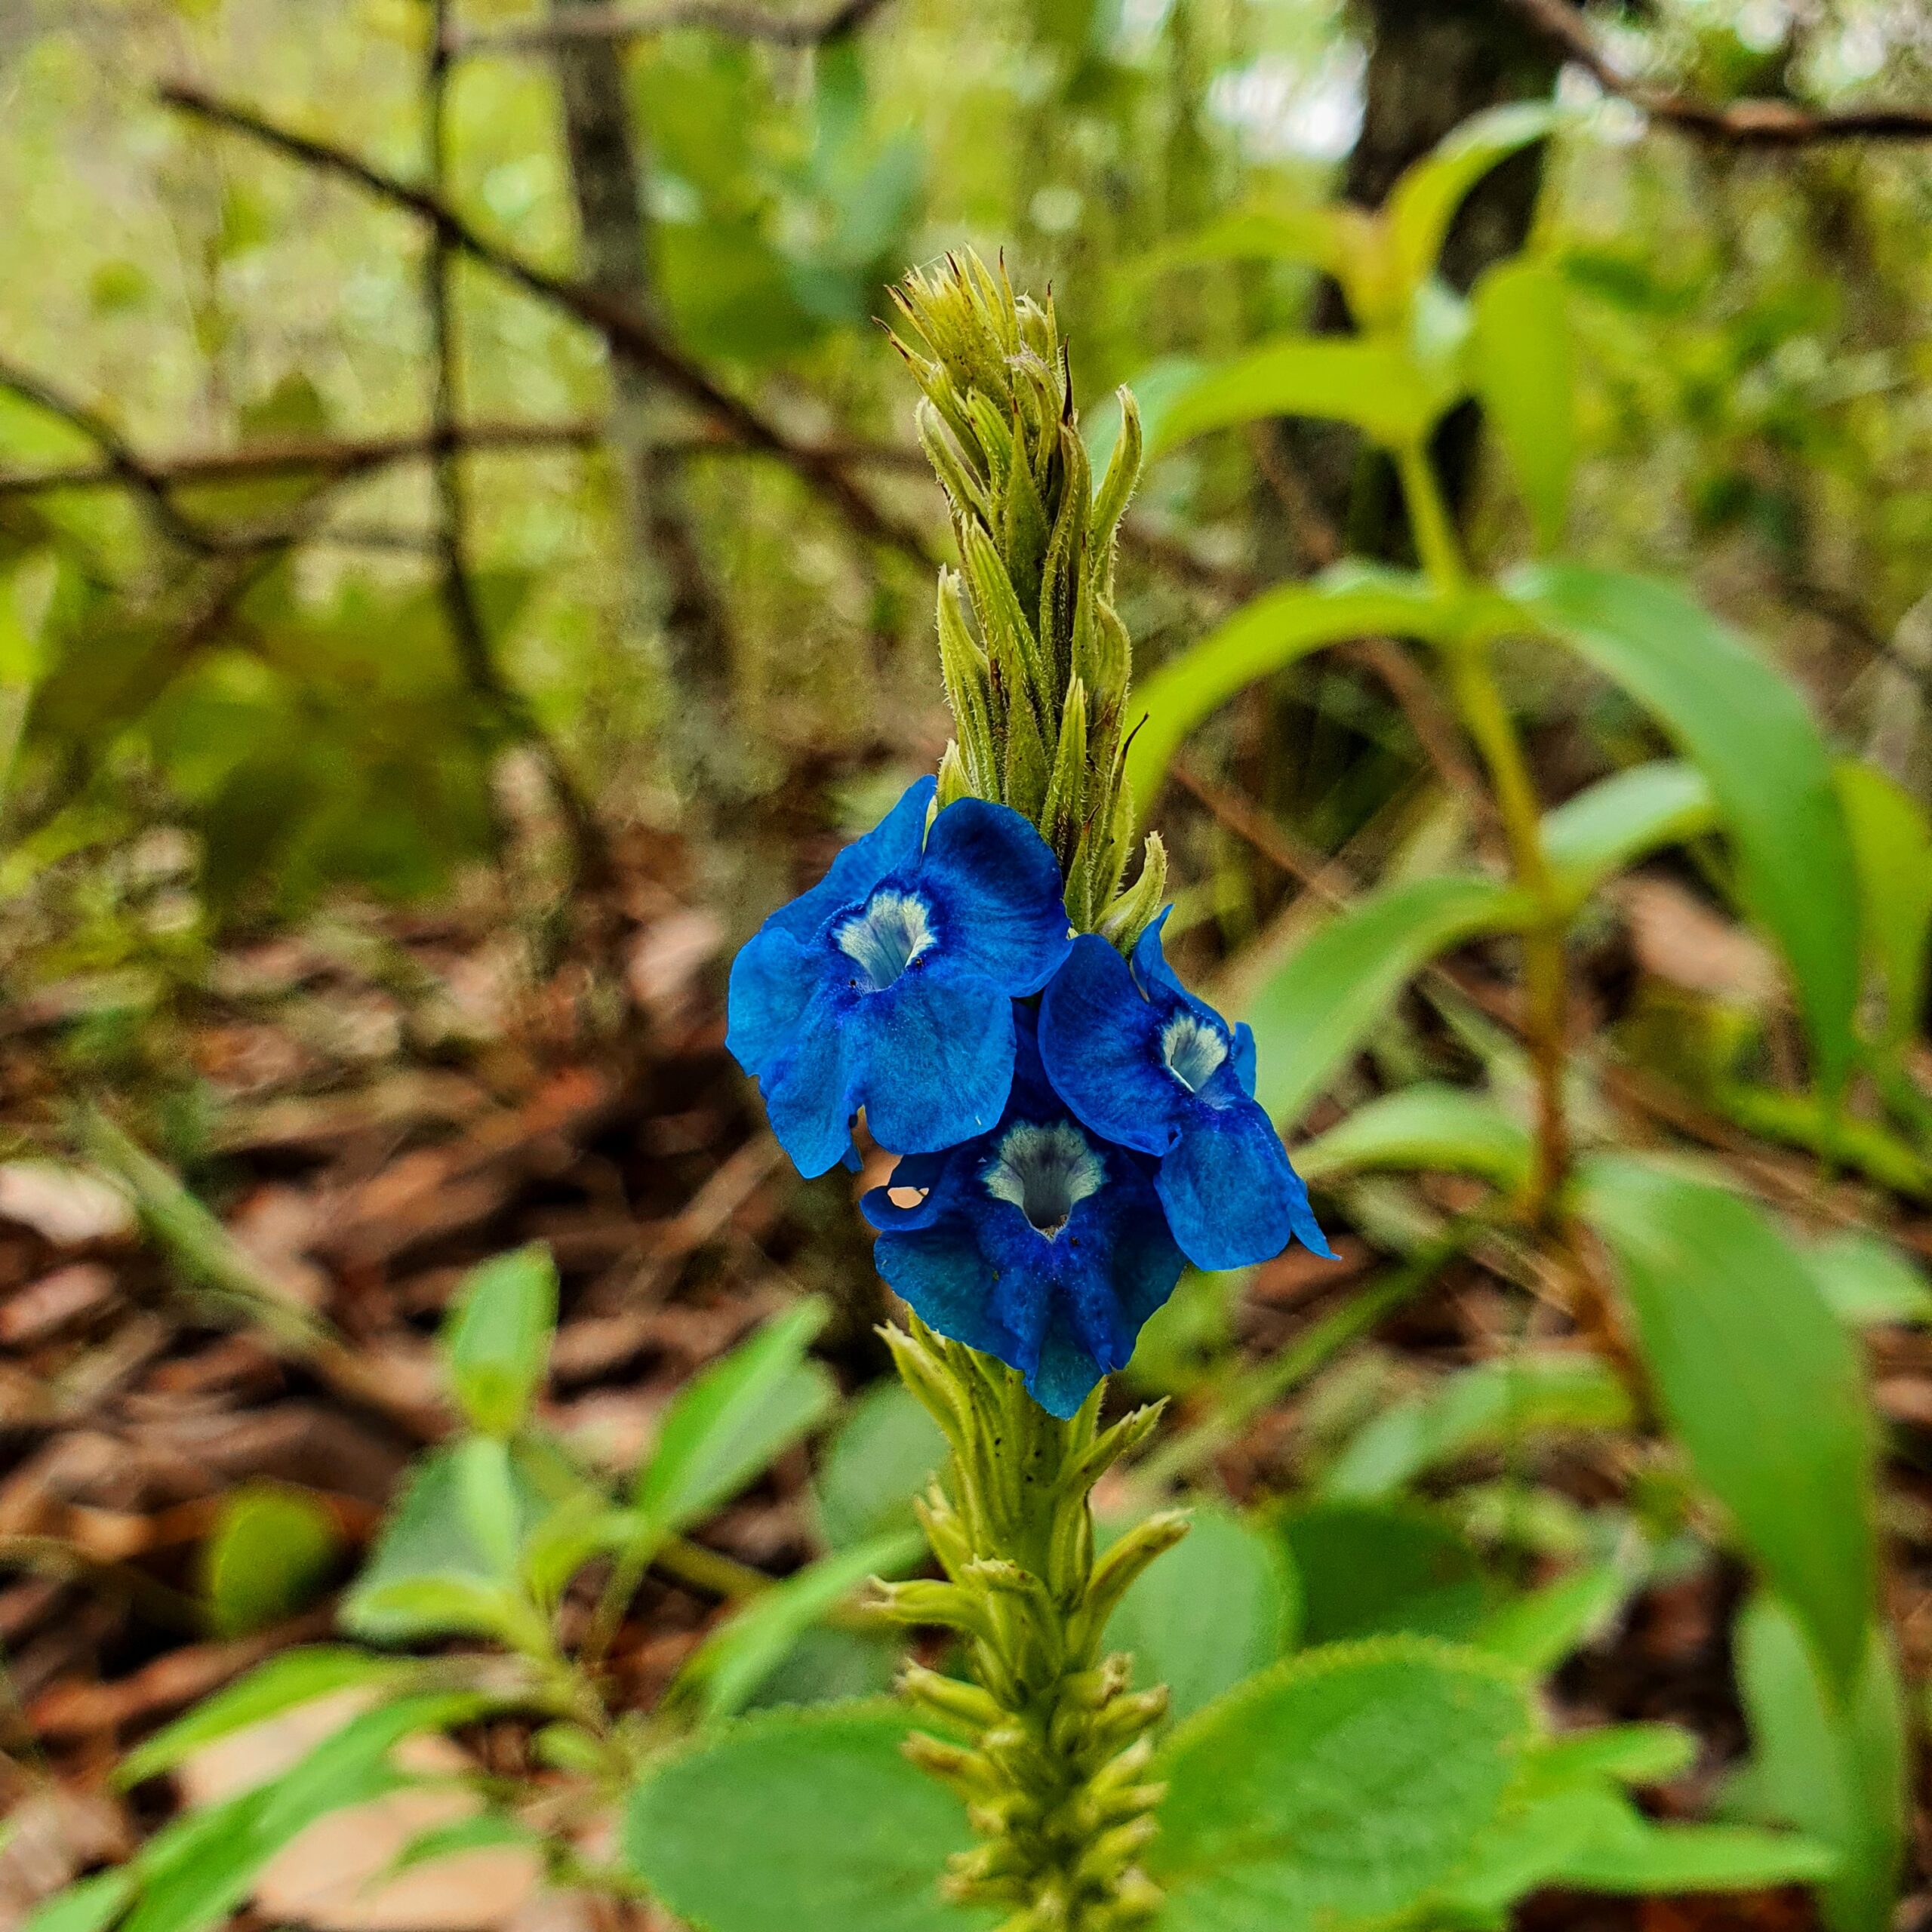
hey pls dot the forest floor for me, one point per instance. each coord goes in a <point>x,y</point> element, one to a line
<point>393,1098</point>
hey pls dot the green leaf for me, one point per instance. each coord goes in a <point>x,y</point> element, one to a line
<point>1495,1402</point>
<point>1273,632</point>
<point>1428,1128</point>
<point>1372,382</point>
<point>1892,845</point>
<point>1589,839</point>
<point>730,1667</point>
<point>728,1424</point>
<point>1834,1766</point>
<point>89,1904</point>
<point>1524,377</point>
<point>1423,204</point>
<point>488,1831</point>
<point>1759,1381</point>
<point>432,1576</point>
<point>1867,1281</point>
<point>283,1683</point>
<point>1338,1788</point>
<point>1748,729</point>
<point>1219,1606</point>
<point>812,1820</point>
<point>1635,1754</point>
<point>1316,1011</point>
<point>1627,1853</point>
<point>1535,1632</point>
<point>1371,1569</point>
<point>497,1341</point>
<point>1325,237</point>
<point>884,1453</point>
<point>269,1557</point>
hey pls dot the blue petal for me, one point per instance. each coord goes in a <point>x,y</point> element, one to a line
<point>1066,1371</point>
<point>1231,1196</point>
<point>773,980</point>
<point>1143,1260</point>
<point>809,1087</point>
<point>851,876</point>
<point>937,1048</point>
<point>1101,1044</point>
<point>1159,981</point>
<point>996,886</point>
<point>1243,1057</point>
<point>940,1273</point>
<point>925,1172</point>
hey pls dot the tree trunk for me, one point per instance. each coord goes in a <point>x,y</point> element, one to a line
<point>668,594</point>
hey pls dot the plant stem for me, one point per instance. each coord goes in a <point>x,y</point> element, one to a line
<point>1055,1779</point>
<point>1486,717</point>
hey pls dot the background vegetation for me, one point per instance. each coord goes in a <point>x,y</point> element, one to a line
<point>465,556</point>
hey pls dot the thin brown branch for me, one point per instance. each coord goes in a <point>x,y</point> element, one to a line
<point>1758,122</point>
<point>627,333</point>
<point>634,22</point>
<point>118,456</point>
<point>344,459</point>
<point>474,649</point>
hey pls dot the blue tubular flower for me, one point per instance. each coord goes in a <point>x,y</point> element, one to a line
<point>1140,1060</point>
<point>890,984</point>
<point>1039,1243</point>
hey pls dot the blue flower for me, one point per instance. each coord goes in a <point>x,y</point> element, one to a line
<point>1141,1061</point>
<point>890,984</point>
<point>1039,1243</point>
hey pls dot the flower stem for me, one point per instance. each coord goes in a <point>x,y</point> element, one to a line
<point>1054,1774</point>
<point>1486,717</point>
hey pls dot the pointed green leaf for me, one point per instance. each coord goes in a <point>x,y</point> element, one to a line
<point>1429,1128</point>
<point>1523,365</point>
<point>1892,843</point>
<point>1423,203</point>
<point>497,1341</point>
<point>1591,837</point>
<point>270,1556</point>
<point>1747,727</point>
<point>1759,1381</point>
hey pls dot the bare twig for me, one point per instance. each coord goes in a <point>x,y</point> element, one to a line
<point>119,459</point>
<point>1752,123</point>
<point>627,333</point>
<point>344,459</point>
<point>633,23</point>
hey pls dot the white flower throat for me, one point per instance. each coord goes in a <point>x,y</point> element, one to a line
<point>1046,1172</point>
<point>886,935</point>
<point>1192,1050</point>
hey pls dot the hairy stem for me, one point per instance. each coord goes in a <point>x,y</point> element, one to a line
<point>1486,717</point>
<point>1055,1775</point>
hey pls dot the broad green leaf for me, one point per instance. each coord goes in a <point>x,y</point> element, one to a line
<point>1892,844</point>
<point>1428,1128</point>
<point>1497,1402</point>
<point>1834,1766</point>
<point>727,1669</point>
<point>89,1904</point>
<point>1759,1381</point>
<point>1423,204</point>
<point>293,1678</point>
<point>1219,1606</point>
<point>1372,382</point>
<point>1340,1787</point>
<point>1369,1569</point>
<point>1747,727</point>
<point>813,1820</point>
<point>1867,1281</point>
<point>1535,1632</point>
<point>1275,631</point>
<point>1521,353</point>
<point>1317,1011</point>
<point>885,1451</point>
<point>732,1420</point>
<point>269,1556</point>
<point>431,1574</point>
<point>496,1342</point>
<point>1589,839</point>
